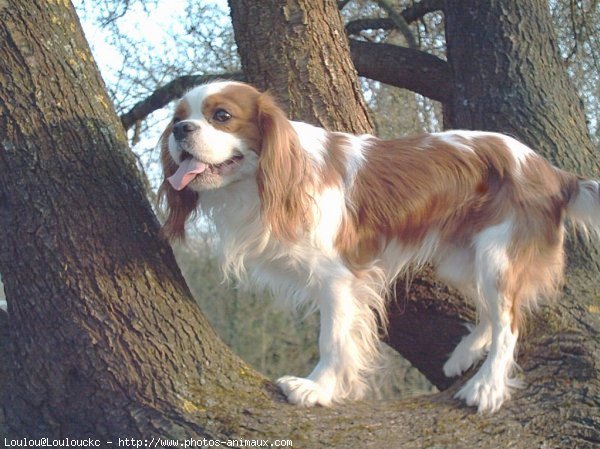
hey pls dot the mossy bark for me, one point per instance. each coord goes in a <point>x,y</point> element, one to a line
<point>106,337</point>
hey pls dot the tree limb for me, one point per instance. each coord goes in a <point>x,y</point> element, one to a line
<point>415,12</point>
<point>403,67</point>
<point>400,23</point>
<point>170,91</point>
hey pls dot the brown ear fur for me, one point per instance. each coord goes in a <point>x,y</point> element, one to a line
<point>284,173</point>
<point>179,204</point>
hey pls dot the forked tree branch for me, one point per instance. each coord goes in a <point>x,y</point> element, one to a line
<point>415,12</point>
<point>399,22</point>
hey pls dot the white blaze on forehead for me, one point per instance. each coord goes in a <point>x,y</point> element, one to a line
<point>197,95</point>
<point>207,144</point>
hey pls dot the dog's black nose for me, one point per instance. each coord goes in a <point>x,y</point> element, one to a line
<point>182,129</point>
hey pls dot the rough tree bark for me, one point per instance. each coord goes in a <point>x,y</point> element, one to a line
<point>298,48</point>
<point>106,338</point>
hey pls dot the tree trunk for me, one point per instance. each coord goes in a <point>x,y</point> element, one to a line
<point>298,48</point>
<point>508,77</point>
<point>106,337</point>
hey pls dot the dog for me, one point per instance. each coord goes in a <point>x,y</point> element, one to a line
<point>330,220</point>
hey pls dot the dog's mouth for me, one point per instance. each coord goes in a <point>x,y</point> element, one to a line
<point>191,168</point>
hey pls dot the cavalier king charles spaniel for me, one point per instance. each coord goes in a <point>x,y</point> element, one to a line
<point>331,219</point>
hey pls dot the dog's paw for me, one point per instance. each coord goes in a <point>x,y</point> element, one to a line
<point>486,393</point>
<point>461,360</point>
<point>469,351</point>
<point>304,392</point>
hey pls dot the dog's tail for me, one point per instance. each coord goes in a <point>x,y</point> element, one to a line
<point>583,206</point>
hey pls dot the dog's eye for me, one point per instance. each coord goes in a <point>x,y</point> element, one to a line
<point>221,115</point>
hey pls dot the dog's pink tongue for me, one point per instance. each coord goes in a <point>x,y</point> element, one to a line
<point>187,171</point>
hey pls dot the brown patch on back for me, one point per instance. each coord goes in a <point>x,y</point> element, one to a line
<point>412,186</point>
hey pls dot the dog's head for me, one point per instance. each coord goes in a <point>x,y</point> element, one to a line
<point>222,133</point>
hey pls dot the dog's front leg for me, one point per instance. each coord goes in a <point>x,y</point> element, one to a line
<point>347,347</point>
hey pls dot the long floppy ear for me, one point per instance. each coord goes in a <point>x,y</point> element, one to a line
<point>284,173</point>
<point>178,205</point>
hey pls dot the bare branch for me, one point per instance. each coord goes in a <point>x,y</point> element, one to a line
<point>167,93</point>
<point>403,67</point>
<point>399,22</point>
<point>342,3</point>
<point>415,12</point>
<point>418,10</point>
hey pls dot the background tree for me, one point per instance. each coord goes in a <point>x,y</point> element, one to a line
<point>563,372</point>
